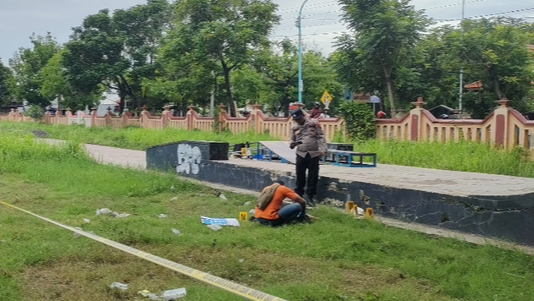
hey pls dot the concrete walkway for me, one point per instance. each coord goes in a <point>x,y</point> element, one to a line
<point>424,179</point>
<point>440,181</point>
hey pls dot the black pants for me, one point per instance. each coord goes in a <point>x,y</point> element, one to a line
<point>312,165</point>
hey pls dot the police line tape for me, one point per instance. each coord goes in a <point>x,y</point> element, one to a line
<point>224,284</point>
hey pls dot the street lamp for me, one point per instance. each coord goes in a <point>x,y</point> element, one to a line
<point>301,84</point>
<point>461,69</point>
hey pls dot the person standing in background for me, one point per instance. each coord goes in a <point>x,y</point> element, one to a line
<point>325,113</point>
<point>308,137</point>
<point>316,112</point>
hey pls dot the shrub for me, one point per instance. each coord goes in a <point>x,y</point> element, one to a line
<point>35,112</point>
<point>359,120</point>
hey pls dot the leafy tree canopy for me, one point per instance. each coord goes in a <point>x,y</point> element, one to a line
<point>6,80</point>
<point>495,52</point>
<point>117,51</point>
<point>27,65</point>
<point>380,50</point>
<point>221,36</point>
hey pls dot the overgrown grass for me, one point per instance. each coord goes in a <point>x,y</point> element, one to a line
<point>459,156</point>
<point>335,258</point>
<point>130,137</point>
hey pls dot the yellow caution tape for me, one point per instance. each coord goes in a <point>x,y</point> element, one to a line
<point>238,289</point>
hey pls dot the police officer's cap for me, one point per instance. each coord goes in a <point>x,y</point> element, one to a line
<point>297,114</point>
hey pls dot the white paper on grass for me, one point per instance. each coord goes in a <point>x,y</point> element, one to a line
<point>219,221</point>
<point>119,285</point>
<point>173,294</point>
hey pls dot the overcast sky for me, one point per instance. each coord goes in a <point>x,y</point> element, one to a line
<point>321,21</point>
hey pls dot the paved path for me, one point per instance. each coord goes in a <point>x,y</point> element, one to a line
<point>424,179</point>
<point>111,155</point>
<point>442,181</point>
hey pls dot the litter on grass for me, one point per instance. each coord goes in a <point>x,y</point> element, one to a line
<point>214,227</point>
<point>124,214</point>
<point>76,234</point>
<point>149,295</point>
<point>119,285</point>
<point>169,295</point>
<point>219,221</point>
<point>174,294</point>
<point>105,211</point>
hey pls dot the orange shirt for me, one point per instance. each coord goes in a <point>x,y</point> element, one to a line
<point>271,211</point>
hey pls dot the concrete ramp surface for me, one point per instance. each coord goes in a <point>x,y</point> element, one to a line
<point>281,148</point>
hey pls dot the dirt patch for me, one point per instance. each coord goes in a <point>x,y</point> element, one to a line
<point>40,133</point>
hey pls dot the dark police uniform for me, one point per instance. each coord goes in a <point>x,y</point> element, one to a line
<point>311,144</point>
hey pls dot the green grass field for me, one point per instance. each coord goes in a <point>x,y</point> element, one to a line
<point>335,258</point>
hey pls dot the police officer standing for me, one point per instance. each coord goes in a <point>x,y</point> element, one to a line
<point>308,137</point>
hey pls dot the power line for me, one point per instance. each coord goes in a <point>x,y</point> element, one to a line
<point>314,34</point>
<point>332,3</point>
<point>314,25</point>
<point>324,19</point>
<point>280,37</point>
<point>489,15</point>
<point>316,5</point>
<point>453,4</point>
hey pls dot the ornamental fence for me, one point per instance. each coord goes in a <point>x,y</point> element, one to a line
<point>504,127</point>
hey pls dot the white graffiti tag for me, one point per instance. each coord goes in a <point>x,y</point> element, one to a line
<point>188,159</point>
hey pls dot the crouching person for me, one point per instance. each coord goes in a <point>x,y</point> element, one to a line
<point>270,209</point>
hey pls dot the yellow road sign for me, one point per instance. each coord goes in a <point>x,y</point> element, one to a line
<point>326,98</point>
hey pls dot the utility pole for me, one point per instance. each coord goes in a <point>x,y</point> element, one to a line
<point>299,21</point>
<point>212,96</point>
<point>461,69</point>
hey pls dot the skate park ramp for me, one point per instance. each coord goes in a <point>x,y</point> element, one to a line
<point>281,149</point>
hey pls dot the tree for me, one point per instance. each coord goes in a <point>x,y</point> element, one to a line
<point>222,35</point>
<point>385,34</point>
<point>278,67</point>
<point>94,57</point>
<point>495,52</point>
<point>27,67</point>
<point>437,84</point>
<point>117,51</point>
<point>180,84</point>
<point>6,78</point>
<point>249,85</point>
<point>55,84</point>
<point>143,27</point>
